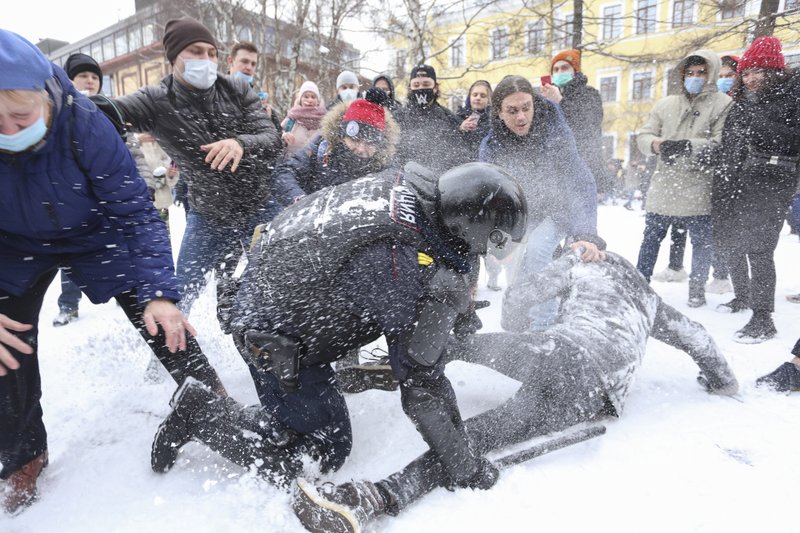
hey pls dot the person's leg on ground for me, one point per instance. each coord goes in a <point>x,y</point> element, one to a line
<point>700,232</point>
<point>68,301</point>
<point>655,229</point>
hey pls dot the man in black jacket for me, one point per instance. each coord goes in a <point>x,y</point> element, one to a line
<point>214,128</point>
<point>428,132</point>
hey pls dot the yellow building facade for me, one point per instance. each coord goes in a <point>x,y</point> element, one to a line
<point>629,48</point>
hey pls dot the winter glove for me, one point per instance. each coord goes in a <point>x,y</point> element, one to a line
<point>716,385</point>
<point>484,479</point>
<point>468,323</point>
<point>672,150</point>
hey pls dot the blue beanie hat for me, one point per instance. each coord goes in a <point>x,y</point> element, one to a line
<point>24,67</point>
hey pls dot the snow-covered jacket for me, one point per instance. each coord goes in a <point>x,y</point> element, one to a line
<point>183,119</point>
<point>683,188</point>
<point>326,161</point>
<point>556,181</point>
<point>77,199</point>
<point>153,157</point>
<point>607,313</point>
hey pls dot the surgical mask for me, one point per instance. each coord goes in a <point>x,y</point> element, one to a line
<point>348,95</point>
<point>694,85</point>
<point>199,73</point>
<point>25,138</point>
<point>422,97</point>
<point>561,79</point>
<point>242,75</point>
<point>725,84</point>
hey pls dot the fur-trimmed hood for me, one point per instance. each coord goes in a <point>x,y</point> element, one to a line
<point>330,131</point>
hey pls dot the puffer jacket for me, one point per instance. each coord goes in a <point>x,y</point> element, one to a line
<point>583,110</point>
<point>683,188</point>
<point>326,161</point>
<point>92,213</point>
<point>556,181</point>
<point>183,119</point>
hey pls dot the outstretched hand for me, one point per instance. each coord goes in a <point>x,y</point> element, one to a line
<point>223,152</point>
<point>8,361</point>
<point>590,253</point>
<point>164,313</point>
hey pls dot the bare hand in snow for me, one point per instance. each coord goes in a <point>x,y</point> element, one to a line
<point>223,152</point>
<point>164,313</point>
<point>591,253</point>
<point>8,361</point>
<point>552,93</point>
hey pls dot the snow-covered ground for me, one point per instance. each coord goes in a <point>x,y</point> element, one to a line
<point>678,459</point>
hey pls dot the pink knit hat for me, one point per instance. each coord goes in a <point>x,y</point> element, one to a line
<point>309,86</point>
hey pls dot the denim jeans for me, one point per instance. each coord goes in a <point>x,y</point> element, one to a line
<point>655,229</point>
<point>539,248</point>
<point>209,244</point>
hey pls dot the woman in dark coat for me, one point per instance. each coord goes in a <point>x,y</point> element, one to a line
<point>476,116</point>
<point>583,109</point>
<point>755,181</point>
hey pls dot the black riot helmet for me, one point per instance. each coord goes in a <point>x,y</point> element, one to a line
<point>482,205</point>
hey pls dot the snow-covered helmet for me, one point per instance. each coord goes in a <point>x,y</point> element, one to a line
<point>482,205</point>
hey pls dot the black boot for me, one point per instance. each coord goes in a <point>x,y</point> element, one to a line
<point>734,306</point>
<point>786,378</point>
<point>697,296</point>
<point>759,329</point>
<point>245,436</point>
<point>344,508</point>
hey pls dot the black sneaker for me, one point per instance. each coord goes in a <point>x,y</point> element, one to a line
<point>696,301</point>
<point>759,329</point>
<point>786,378</point>
<point>344,508</point>
<point>368,375</point>
<point>64,317</point>
<point>734,306</point>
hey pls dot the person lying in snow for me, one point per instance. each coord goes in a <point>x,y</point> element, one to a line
<point>578,370</point>
<point>785,378</point>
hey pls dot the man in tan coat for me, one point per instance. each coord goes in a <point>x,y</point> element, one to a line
<point>681,126</point>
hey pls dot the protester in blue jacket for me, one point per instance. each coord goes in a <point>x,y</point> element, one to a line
<point>540,150</point>
<point>70,196</point>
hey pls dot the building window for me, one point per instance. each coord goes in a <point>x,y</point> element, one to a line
<point>564,31</point>
<point>789,5</point>
<point>536,37</point>
<point>729,9</point>
<point>148,33</point>
<point>646,11</point>
<point>682,13</point>
<point>609,142</point>
<point>500,43</point>
<point>642,86</point>
<point>608,89</point>
<point>97,52</point>
<point>135,37</point>
<point>457,52</point>
<point>612,22</point>
<point>121,42</point>
<point>108,48</point>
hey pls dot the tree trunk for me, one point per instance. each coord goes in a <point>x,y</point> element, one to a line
<point>766,18</point>
<point>577,24</point>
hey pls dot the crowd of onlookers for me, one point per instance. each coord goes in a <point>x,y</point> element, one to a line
<point>723,150</point>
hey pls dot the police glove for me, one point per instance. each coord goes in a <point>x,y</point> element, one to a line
<point>715,385</point>
<point>468,323</point>
<point>672,150</point>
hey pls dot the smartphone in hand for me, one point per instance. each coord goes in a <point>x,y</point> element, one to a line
<point>546,80</point>
<point>289,125</point>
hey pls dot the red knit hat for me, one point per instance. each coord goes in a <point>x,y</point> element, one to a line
<point>364,120</point>
<point>765,52</point>
<point>573,57</point>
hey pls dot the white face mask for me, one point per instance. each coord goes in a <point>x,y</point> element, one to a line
<point>199,73</point>
<point>348,95</point>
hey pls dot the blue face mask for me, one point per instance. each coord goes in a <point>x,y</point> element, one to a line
<point>693,85</point>
<point>559,80</point>
<point>24,139</point>
<point>725,84</point>
<point>200,73</point>
<point>245,77</point>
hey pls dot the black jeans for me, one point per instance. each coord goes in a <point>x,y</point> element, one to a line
<point>22,432</point>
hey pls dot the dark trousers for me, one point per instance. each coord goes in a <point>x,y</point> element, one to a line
<point>677,249</point>
<point>655,230</point>
<point>22,431</point>
<point>70,294</point>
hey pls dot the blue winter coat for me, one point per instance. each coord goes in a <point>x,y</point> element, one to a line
<point>556,181</point>
<point>101,223</point>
